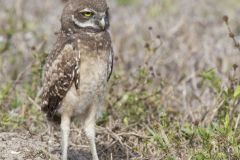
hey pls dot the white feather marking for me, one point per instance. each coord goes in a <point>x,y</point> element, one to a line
<point>85,24</point>
<point>68,47</point>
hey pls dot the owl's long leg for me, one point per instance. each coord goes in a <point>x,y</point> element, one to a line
<point>65,128</point>
<point>51,137</point>
<point>50,133</point>
<point>89,128</point>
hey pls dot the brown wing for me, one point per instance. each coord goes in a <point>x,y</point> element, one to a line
<point>61,74</point>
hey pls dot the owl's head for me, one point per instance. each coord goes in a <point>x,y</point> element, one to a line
<point>87,15</point>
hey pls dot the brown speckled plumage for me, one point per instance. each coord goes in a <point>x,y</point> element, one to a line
<point>78,68</point>
<point>63,64</point>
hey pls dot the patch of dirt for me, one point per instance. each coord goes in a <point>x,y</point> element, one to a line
<point>29,146</point>
<point>20,146</point>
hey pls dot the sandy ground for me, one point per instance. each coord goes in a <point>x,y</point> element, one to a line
<point>19,146</point>
<point>26,145</point>
<point>22,146</point>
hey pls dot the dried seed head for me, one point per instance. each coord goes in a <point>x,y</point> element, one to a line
<point>231,35</point>
<point>158,36</point>
<point>151,68</point>
<point>150,27</point>
<point>33,48</point>
<point>225,18</point>
<point>147,45</point>
<point>237,45</point>
<point>235,66</point>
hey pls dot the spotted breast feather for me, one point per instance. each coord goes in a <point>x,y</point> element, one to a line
<point>61,74</point>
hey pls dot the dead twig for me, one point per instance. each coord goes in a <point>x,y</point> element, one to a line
<point>34,103</point>
<point>133,134</point>
<point>231,34</point>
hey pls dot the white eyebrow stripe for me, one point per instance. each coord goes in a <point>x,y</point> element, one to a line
<point>83,25</point>
<point>86,10</point>
<point>90,10</point>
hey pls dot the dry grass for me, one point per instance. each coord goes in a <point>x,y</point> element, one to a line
<point>174,93</point>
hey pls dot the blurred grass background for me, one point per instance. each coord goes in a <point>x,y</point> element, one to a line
<point>174,93</point>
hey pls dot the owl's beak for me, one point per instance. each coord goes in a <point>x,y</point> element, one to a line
<point>102,23</point>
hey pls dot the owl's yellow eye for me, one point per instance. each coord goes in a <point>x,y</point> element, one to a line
<point>87,14</point>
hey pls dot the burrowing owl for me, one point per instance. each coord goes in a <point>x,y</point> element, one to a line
<point>78,68</point>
